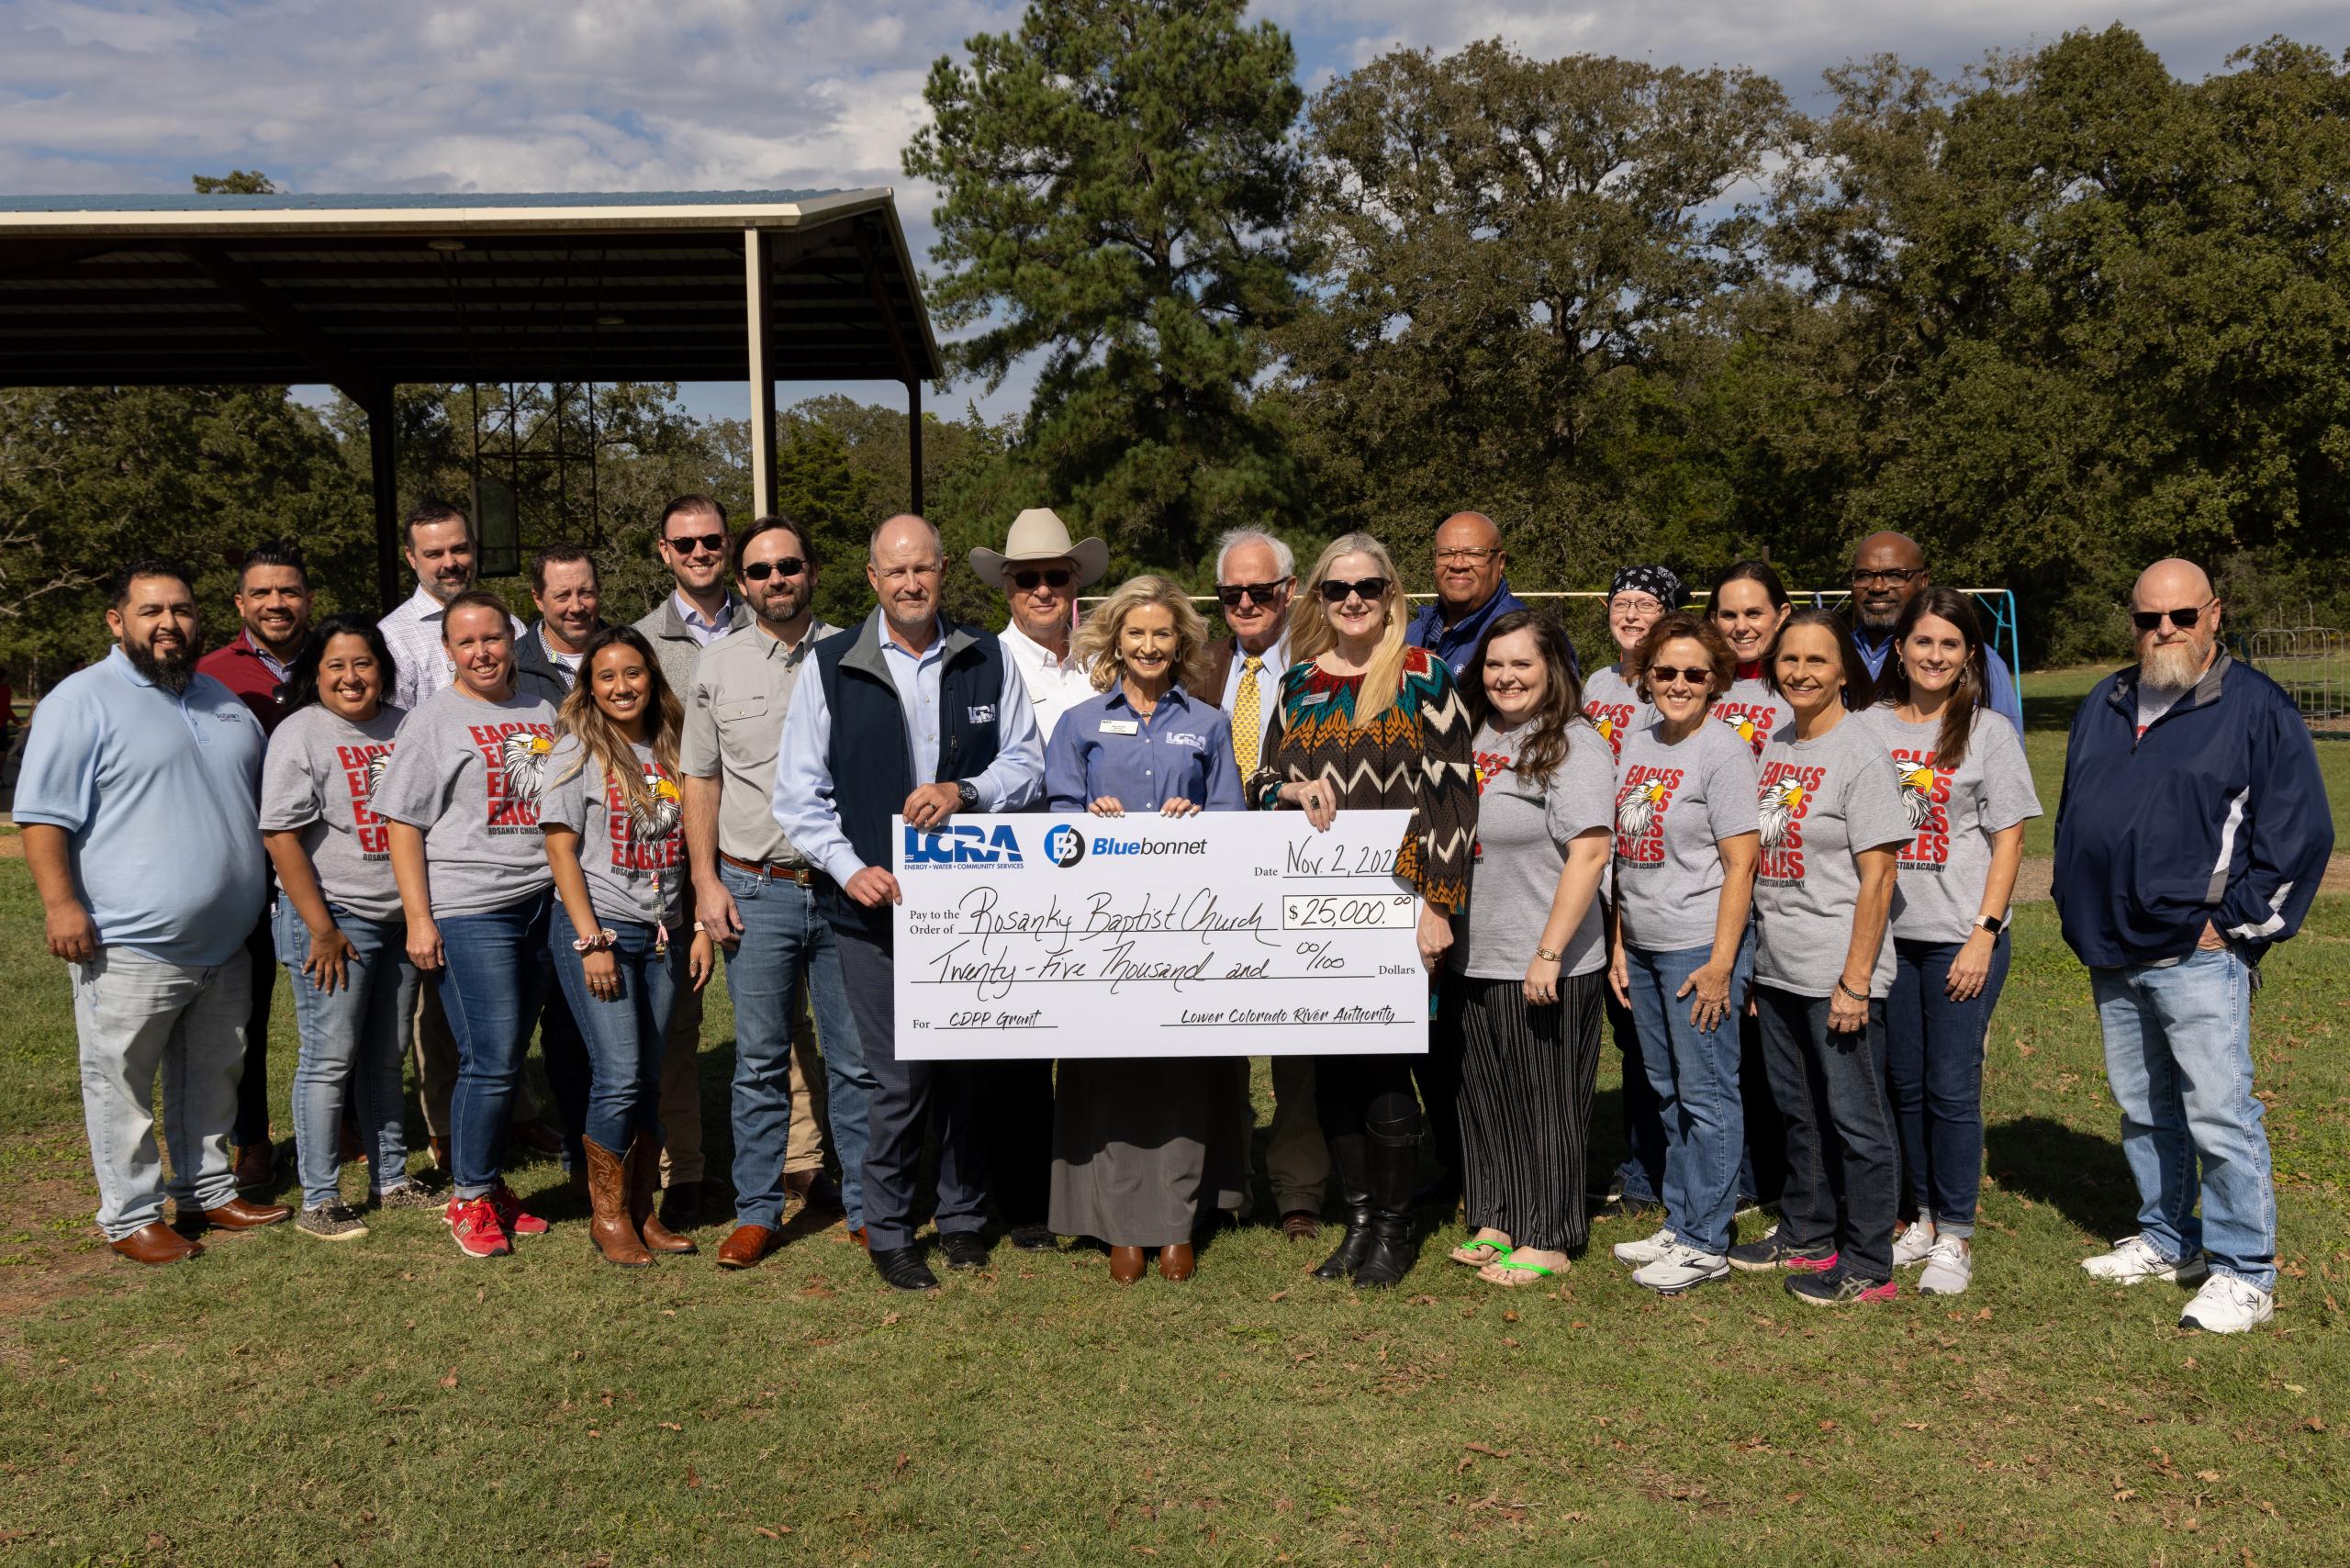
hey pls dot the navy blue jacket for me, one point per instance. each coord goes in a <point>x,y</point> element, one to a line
<point>2217,813</point>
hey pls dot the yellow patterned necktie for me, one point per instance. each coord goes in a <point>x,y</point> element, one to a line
<point>1248,728</point>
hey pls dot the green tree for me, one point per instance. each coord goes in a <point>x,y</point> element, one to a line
<point>1116,181</point>
<point>236,182</point>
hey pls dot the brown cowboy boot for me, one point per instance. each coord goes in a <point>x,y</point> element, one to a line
<point>615,1236</point>
<point>644,1166</point>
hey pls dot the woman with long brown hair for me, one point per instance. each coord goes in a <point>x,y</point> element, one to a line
<point>1365,723</point>
<point>1967,789</point>
<point>610,809</point>
<point>1521,1005</point>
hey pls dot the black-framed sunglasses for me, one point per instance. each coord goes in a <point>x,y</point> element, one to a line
<point>2184,620</point>
<point>687,543</point>
<point>1660,675</point>
<point>1057,577</point>
<point>1371,589</point>
<point>1231,594</point>
<point>760,571</point>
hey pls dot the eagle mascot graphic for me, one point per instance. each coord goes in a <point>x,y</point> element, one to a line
<point>1917,790</point>
<point>1635,809</point>
<point>1744,723</point>
<point>654,817</point>
<point>376,765</point>
<point>1782,803</point>
<point>525,756</point>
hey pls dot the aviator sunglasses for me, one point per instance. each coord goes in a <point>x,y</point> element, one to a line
<point>1058,576</point>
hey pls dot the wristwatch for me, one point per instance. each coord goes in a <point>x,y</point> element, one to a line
<point>1991,923</point>
<point>1546,955</point>
<point>968,791</point>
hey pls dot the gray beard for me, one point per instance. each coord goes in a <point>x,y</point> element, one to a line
<point>2172,668</point>
<point>173,675</point>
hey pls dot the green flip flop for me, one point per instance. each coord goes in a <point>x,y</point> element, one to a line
<point>1513,1265</point>
<point>1495,1252</point>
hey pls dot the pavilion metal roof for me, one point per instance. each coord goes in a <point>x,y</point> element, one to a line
<point>363,291</point>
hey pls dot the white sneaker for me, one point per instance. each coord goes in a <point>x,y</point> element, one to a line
<point>1950,1264</point>
<point>2227,1305</point>
<point>1682,1268</point>
<point>1648,1250</point>
<point>2134,1260</point>
<point>1909,1248</point>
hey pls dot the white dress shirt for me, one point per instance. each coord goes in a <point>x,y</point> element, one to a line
<point>1054,685</point>
<point>423,665</point>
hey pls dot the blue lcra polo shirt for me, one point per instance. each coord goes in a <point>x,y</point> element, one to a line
<point>159,798</point>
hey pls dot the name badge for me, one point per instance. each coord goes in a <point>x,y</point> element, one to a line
<point>984,713</point>
<point>1121,727</point>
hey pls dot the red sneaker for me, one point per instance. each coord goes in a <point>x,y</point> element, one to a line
<point>511,1214</point>
<point>475,1227</point>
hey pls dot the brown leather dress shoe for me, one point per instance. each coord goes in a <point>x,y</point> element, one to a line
<point>859,1236</point>
<point>157,1243</point>
<point>745,1247</point>
<point>1300,1225</point>
<point>813,1188</point>
<point>1125,1264</point>
<point>1176,1262</point>
<point>256,1166</point>
<point>239,1214</point>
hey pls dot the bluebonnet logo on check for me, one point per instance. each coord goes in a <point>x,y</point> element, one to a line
<point>1065,846</point>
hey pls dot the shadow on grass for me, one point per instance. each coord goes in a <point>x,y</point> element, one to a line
<point>2081,1175</point>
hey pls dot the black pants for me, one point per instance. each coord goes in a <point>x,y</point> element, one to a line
<point>1014,1113</point>
<point>1353,1094</point>
<point>907,1094</point>
<point>1843,1168</point>
<point>1526,1077</point>
<point>253,1090</point>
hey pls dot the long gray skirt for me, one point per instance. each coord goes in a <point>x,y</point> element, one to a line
<point>1142,1147</point>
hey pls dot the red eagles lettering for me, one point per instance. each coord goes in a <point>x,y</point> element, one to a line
<point>1787,796</point>
<point>1925,795</point>
<point>645,838</point>
<point>1640,804</point>
<point>362,765</point>
<point>1611,720</point>
<point>514,764</point>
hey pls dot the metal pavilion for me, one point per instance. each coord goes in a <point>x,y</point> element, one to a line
<point>365,292</point>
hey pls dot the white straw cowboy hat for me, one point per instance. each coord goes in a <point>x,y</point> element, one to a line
<point>1039,534</point>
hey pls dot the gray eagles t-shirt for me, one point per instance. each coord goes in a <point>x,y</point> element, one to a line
<point>1523,826</point>
<point>320,773</point>
<point>1614,707</point>
<point>467,773</point>
<point>1822,802</point>
<point>1675,804</point>
<point>1952,815</point>
<point>1754,710</point>
<point>632,855</point>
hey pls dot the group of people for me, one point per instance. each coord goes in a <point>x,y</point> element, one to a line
<point>1770,850</point>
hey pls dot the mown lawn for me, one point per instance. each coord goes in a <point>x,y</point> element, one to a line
<point>391,1402</point>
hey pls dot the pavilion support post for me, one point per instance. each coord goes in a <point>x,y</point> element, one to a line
<point>762,369</point>
<point>383,464</point>
<point>913,441</point>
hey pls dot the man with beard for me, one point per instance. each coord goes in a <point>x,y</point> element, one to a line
<point>755,891</point>
<point>2188,759</point>
<point>1888,571</point>
<point>140,805</point>
<point>273,603</point>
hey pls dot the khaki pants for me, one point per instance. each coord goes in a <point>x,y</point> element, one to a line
<point>1297,1162</point>
<point>681,1151</point>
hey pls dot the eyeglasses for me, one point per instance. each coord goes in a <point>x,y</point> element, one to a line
<point>1664,674</point>
<point>1336,592</point>
<point>1470,553</point>
<point>760,571</point>
<point>2184,620</point>
<point>1891,576</point>
<point>687,543</point>
<point>1231,594</point>
<point>1058,576</point>
<point>1635,604</point>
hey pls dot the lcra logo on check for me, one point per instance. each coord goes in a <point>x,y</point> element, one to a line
<point>962,845</point>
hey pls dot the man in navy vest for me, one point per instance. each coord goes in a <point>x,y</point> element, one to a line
<point>912,715</point>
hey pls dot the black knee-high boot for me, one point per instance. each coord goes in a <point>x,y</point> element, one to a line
<point>1394,1139</point>
<point>1350,1161</point>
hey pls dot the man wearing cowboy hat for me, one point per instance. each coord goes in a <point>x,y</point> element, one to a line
<point>1040,572</point>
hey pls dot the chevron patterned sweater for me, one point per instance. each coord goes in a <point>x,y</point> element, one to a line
<point>1415,756</point>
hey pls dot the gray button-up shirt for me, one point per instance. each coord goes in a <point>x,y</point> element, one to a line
<point>734,707</point>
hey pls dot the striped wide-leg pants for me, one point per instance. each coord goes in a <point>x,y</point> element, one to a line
<point>1526,1076</point>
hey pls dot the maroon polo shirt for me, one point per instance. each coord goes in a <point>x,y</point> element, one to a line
<point>240,666</point>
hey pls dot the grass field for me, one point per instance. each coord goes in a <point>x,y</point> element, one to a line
<point>390,1402</point>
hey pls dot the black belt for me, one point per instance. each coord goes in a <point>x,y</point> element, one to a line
<point>803,875</point>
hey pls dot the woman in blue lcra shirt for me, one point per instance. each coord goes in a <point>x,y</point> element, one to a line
<point>1136,1154</point>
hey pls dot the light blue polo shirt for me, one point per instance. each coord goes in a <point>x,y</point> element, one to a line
<point>160,797</point>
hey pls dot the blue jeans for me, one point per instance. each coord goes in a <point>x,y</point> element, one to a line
<point>354,1040</point>
<point>787,944</point>
<point>2179,1055</point>
<point>1830,1089</point>
<point>621,1039</point>
<point>1693,1074</point>
<point>493,980</point>
<point>1641,1176</point>
<point>1934,1050</point>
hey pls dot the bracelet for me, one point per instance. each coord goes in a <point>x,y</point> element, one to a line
<point>600,942</point>
<point>1848,991</point>
<point>699,929</point>
<point>1546,955</point>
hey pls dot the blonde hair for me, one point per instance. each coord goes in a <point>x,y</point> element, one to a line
<point>1097,639</point>
<point>1310,635</point>
<point>600,740</point>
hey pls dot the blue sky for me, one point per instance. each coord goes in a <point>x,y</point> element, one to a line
<point>623,95</point>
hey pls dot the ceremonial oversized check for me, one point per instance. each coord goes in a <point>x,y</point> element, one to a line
<point>1225,933</point>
